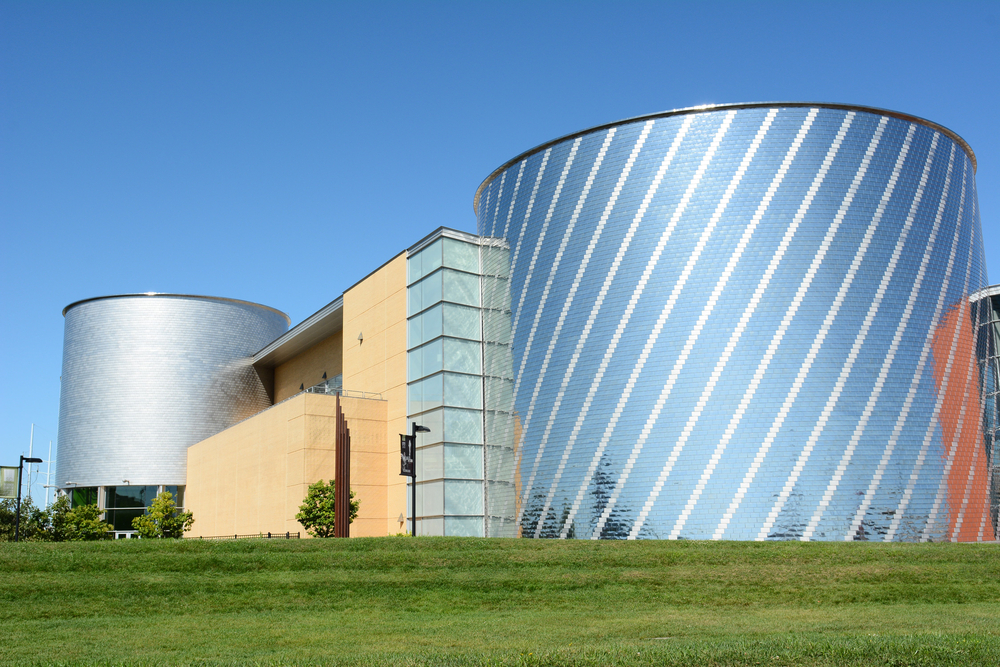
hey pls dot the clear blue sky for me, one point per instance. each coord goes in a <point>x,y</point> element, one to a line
<point>278,152</point>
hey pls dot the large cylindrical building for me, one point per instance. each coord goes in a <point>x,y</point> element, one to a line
<point>144,377</point>
<point>738,322</point>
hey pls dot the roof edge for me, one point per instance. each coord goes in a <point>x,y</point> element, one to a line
<point>181,296</point>
<point>717,107</point>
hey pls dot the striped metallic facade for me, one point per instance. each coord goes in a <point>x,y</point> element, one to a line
<point>745,322</point>
<point>146,376</point>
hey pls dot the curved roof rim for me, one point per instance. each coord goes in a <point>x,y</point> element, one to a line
<point>182,296</point>
<point>716,107</point>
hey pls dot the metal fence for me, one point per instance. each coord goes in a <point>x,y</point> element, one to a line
<point>257,536</point>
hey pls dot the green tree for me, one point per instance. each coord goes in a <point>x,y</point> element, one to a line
<point>76,524</point>
<point>84,523</point>
<point>162,519</point>
<point>317,511</point>
<point>34,521</point>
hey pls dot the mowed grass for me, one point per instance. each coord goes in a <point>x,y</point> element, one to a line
<point>446,601</point>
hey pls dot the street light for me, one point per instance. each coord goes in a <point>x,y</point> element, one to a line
<point>416,429</point>
<point>20,469</point>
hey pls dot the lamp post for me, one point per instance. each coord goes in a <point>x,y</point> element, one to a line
<point>413,484</point>
<point>20,470</point>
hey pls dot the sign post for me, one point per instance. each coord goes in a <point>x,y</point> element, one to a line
<point>408,468</point>
<point>8,482</point>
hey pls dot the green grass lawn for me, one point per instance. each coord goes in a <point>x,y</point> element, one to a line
<point>523,602</point>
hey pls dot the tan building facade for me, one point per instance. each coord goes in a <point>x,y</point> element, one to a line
<point>252,477</point>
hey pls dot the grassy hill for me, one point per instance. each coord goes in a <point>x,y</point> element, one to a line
<point>522,602</point>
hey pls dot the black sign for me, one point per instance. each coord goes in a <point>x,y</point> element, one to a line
<point>407,455</point>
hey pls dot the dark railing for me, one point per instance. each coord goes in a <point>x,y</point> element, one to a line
<point>258,536</point>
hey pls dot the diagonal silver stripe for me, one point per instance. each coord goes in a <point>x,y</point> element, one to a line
<point>890,356</point>
<point>567,235</point>
<point>612,346</point>
<point>831,316</point>
<point>692,339</point>
<point>904,413</point>
<point>932,424</point>
<point>751,307</point>
<point>496,209</point>
<point>595,237</point>
<point>786,321</point>
<point>668,309</point>
<point>513,198</point>
<point>513,264</point>
<point>709,307</point>
<point>518,449</point>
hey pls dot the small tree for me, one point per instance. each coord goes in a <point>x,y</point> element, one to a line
<point>34,521</point>
<point>317,511</point>
<point>85,523</point>
<point>162,519</point>
<point>76,524</point>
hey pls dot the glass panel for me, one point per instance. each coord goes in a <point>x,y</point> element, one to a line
<point>432,357</point>
<point>413,273</point>
<point>432,420</point>
<point>461,288</point>
<point>433,396</point>
<point>431,289</point>
<point>178,492</point>
<point>430,527</point>
<point>414,365</point>
<point>461,322</point>
<point>129,496</point>
<point>463,356</point>
<point>430,258</point>
<point>431,323</point>
<point>461,255</point>
<point>424,327</point>
<point>414,397</point>
<point>463,497</point>
<point>413,332</point>
<point>463,461</point>
<point>414,304</point>
<point>463,426</point>
<point>430,463</point>
<point>430,498</point>
<point>463,526</point>
<point>83,496</point>
<point>122,519</point>
<point>463,391</point>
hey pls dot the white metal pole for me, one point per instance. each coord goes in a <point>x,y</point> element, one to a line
<point>48,475</point>
<point>31,447</point>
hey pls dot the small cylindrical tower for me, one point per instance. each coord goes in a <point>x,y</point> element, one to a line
<point>145,376</point>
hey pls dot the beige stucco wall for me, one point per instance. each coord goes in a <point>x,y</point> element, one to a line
<point>376,308</point>
<point>306,369</point>
<point>252,477</point>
